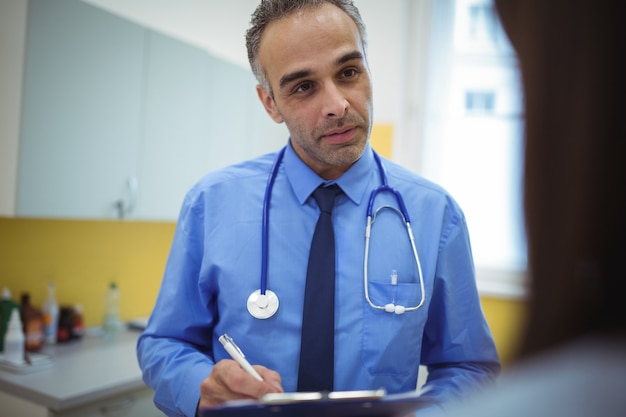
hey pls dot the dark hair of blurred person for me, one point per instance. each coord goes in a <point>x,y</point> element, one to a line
<point>572,359</point>
<point>572,66</point>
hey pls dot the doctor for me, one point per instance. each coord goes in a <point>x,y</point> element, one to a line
<point>309,57</point>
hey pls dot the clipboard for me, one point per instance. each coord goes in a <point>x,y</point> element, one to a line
<point>314,404</point>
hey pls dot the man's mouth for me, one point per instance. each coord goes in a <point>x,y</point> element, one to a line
<point>341,135</point>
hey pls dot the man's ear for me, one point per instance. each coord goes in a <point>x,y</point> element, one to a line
<point>269,104</point>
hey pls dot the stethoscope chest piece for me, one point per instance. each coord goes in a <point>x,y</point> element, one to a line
<point>262,306</point>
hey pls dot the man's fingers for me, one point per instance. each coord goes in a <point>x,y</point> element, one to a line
<point>270,377</point>
<point>228,381</point>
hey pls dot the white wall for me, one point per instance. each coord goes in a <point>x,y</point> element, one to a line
<point>12,38</point>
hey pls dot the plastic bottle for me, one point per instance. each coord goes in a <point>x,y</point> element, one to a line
<point>6,306</point>
<point>32,321</point>
<point>50,310</point>
<point>112,323</point>
<point>14,339</point>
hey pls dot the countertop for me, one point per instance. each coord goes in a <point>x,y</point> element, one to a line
<point>84,371</point>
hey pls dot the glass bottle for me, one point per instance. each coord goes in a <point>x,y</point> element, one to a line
<point>32,322</point>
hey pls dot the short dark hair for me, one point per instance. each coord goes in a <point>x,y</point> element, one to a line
<point>269,11</point>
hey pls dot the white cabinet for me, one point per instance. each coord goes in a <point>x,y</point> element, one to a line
<point>107,101</point>
<point>200,113</point>
<point>81,108</point>
<point>136,403</point>
<point>132,404</point>
<point>13,406</point>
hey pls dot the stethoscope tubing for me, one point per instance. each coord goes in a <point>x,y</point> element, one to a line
<point>266,220</point>
<point>396,309</point>
<point>384,187</point>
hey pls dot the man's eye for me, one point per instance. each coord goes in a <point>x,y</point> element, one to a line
<point>303,88</point>
<point>349,73</point>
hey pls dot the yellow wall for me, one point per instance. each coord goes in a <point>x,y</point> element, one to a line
<point>381,138</point>
<point>506,320</point>
<point>82,257</point>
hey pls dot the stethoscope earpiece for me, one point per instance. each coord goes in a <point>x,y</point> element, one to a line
<point>392,308</point>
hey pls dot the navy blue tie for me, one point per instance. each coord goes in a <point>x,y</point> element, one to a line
<point>316,370</point>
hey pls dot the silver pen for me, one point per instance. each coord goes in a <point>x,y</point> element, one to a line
<point>236,353</point>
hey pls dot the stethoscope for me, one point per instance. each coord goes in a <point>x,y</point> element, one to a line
<point>263,303</point>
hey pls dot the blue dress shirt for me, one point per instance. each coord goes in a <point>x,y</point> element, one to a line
<point>215,263</point>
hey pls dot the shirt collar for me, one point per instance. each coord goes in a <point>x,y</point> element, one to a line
<point>354,182</point>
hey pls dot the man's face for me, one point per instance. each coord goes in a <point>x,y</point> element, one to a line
<point>315,63</point>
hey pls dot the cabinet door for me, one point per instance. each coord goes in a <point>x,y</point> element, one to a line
<point>132,404</point>
<point>13,406</point>
<point>201,113</point>
<point>188,130</point>
<point>81,110</point>
<point>106,101</point>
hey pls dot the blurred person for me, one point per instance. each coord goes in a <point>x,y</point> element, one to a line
<point>572,361</point>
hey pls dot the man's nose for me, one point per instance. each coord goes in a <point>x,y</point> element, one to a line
<point>335,102</point>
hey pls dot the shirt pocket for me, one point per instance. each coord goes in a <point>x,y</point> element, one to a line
<point>392,342</point>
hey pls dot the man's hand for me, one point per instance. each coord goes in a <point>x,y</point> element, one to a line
<point>228,381</point>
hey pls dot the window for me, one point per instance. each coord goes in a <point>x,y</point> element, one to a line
<point>480,101</point>
<point>482,22</point>
<point>470,132</point>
